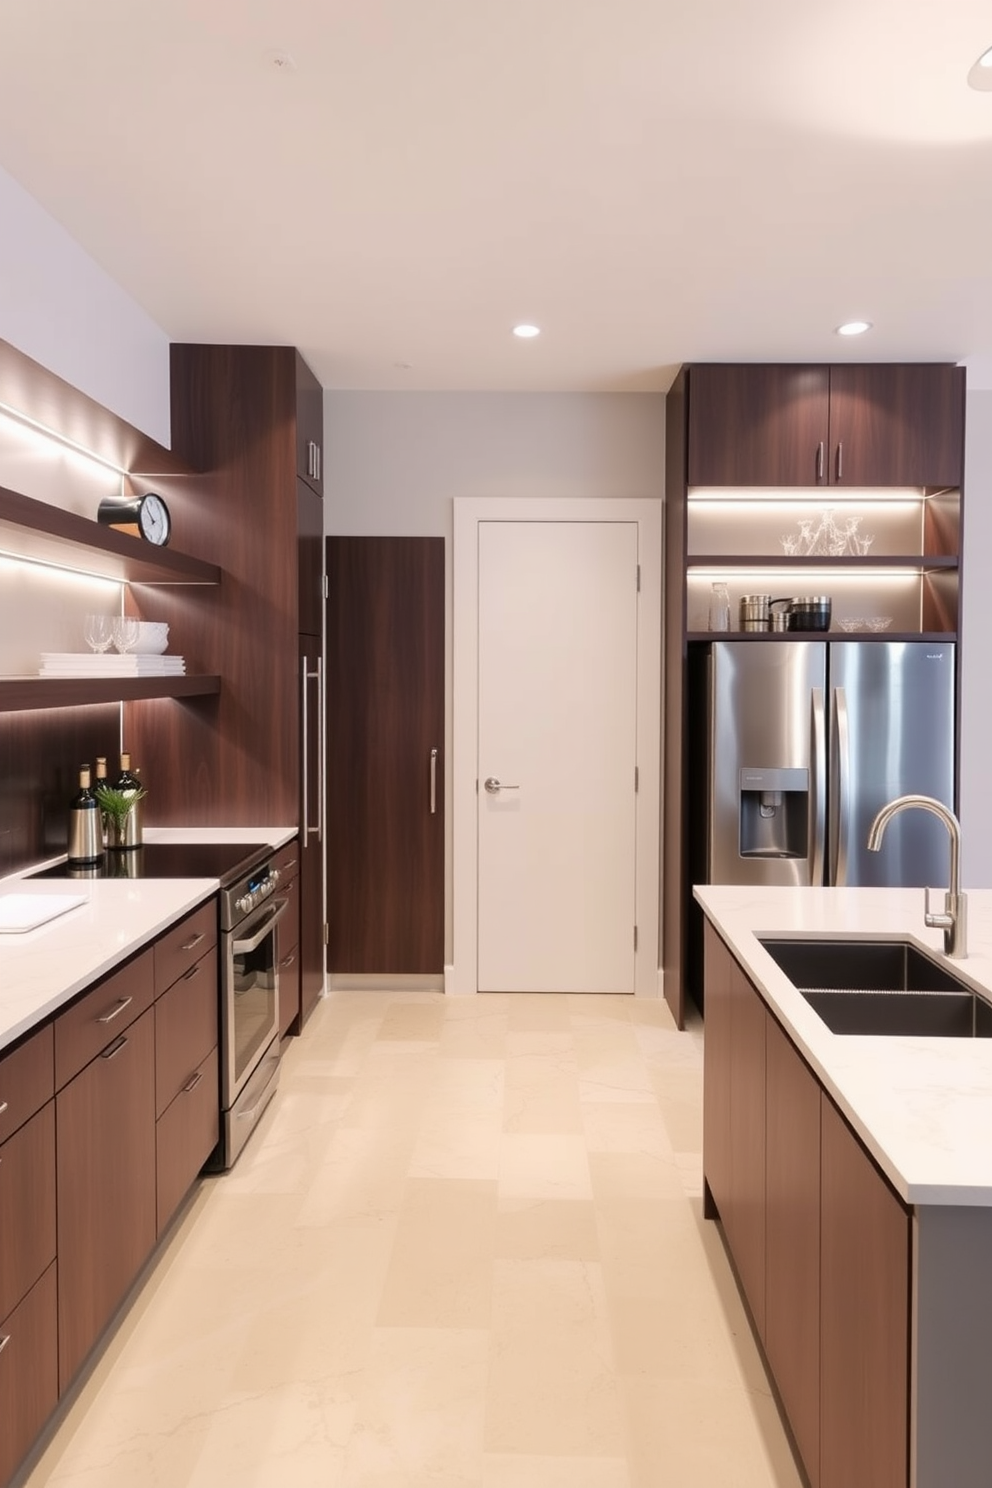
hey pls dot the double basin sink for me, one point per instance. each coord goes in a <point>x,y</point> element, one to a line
<point>880,987</point>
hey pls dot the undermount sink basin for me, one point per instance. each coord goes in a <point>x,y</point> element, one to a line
<point>881,987</point>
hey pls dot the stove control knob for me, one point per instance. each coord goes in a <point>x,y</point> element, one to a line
<point>242,904</point>
<point>276,876</point>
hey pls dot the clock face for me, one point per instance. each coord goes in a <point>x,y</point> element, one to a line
<point>153,519</point>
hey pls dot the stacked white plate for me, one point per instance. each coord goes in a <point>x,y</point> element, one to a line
<point>110,664</point>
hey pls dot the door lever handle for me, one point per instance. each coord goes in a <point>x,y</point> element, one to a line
<point>494,786</point>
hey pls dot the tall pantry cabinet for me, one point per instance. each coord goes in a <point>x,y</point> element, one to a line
<point>251,417</point>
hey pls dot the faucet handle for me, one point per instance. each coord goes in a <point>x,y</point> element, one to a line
<point>953,922</point>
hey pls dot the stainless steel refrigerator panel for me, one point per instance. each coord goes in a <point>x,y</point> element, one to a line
<point>760,706</point>
<point>891,728</point>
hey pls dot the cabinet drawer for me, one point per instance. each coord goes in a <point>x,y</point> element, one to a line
<point>289,985</point>
<point>185,1136</point>
<point>27,1080</point>
<point>27,1206</point>
<point>100,1015</point>
<point>184,943</point>
<point>287,860</point>
<point>289,925</point>
<point>29,1371</point>
<point>185,1028</point>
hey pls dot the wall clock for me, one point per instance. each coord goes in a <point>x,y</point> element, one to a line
<point>144,516</point>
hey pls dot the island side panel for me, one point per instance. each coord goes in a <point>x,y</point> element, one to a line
<point>952,1347</point>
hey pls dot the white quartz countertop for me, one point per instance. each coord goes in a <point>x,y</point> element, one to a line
<point>922,1106</point>
<point>41,969</point>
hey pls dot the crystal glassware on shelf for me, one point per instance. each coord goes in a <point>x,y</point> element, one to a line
<point>98,632</point>
<point>126,632</point>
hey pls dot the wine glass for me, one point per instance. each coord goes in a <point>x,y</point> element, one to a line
<point>126,633</point>
<point>98,632</point>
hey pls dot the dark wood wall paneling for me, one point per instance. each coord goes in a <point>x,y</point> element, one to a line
<point>234,759</point>
<point>40,755</point>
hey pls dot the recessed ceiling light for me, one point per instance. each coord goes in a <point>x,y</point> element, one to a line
<point>526,332</point>
<point>854,328</point>
<point>980,76</point>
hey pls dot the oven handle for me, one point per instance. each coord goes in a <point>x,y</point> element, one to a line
<point>241,947</point>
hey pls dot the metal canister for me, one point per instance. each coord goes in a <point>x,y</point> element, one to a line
<point>754,611</point>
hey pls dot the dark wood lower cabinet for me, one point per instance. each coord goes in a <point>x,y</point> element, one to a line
<point>864,1312</point>
<point>29,1370</point>
<point>185,1135</point>
<point>792,1240</point>
<point>821,1242</point>
<point>745,1218</point>
<point>27,1206</point>
<point>105,1119</point>
<point>716,1072</point>
<point>385,754</point>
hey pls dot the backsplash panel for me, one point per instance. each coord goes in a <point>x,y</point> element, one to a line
<point>40,755</point>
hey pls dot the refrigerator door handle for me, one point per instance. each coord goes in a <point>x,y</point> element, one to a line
<point>842,787</point>
<point>818,784</point>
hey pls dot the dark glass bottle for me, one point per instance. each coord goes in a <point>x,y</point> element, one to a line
<point>129,783</point>
<point>85,823</point>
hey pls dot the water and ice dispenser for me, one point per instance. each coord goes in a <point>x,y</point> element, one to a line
<point>774,813</point>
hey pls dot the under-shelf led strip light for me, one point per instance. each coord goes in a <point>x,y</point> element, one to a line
<point>45,432</point>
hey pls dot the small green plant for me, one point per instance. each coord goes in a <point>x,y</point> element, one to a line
<point>117,806</point>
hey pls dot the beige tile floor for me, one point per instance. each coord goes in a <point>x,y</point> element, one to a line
<point>464,1249</point>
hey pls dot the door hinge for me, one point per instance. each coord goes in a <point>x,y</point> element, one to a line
<point>635,937</point>
<point>638,578</point>
<point>637,780</point>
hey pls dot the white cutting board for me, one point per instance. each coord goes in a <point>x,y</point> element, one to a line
<point>19,912</point>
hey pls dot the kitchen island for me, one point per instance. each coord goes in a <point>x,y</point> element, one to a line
<point>853,1179</point>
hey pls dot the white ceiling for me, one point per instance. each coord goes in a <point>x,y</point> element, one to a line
<point>650,181</point>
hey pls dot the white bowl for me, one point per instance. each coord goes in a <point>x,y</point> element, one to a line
<point>153,637</point>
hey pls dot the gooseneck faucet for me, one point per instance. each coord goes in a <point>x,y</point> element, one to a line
<point>954,920</point>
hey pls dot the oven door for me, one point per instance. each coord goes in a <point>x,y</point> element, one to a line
<point>251,994</point>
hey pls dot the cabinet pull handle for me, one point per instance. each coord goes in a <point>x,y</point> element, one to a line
<point>192,1082</point>
<point>819,461</point>
<point>4,1342</point>
<point>286,867</point>
<point>193,971</point>
<point>115,1047</point>
<point>840,461</point>
<point>3,1107</point>
<point>433,782</point>
<point>288,960</point>
<point>116,1012</point>
<point>191,943</point>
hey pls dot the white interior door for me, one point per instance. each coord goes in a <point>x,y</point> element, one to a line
<point>557,679</point>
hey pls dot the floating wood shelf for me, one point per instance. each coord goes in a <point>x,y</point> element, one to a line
<point>42,533</point>
<point>18,694</point>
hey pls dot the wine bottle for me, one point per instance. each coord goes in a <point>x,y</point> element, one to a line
<point>85,823</point>
<point>129,784</point>
<point>100,781</point>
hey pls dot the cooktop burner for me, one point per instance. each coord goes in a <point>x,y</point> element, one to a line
<point>225,861</point>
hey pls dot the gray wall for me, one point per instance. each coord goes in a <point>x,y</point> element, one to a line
<point>394,461</point>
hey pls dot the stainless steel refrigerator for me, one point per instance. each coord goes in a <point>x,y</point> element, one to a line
<point>806,740</point>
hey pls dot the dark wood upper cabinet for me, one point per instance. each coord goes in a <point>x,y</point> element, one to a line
<point>310,547</point>
<point>883,424</point>
<point>757,425</point>
<point>894,425</point>
<point>309,427</point>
